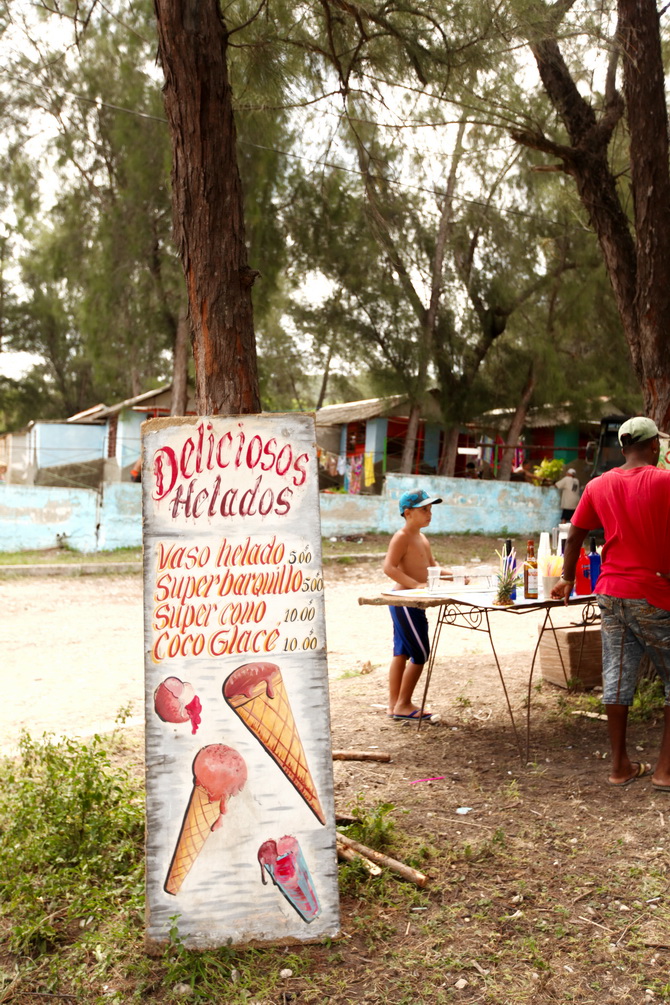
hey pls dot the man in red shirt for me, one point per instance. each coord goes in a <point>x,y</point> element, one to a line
<point>632,505</point>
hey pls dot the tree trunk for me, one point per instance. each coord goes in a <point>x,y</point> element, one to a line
<point>409,446</point>
<point>639,267</point>
<point>324,380</point>
<point>208,214</point>
<point>447,464</point>
<point>516,425</point>
<point>180,365</point>
<point>644,91</point>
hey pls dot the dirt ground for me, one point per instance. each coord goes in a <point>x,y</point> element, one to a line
<point>546,884</point>
<point>74,645</point>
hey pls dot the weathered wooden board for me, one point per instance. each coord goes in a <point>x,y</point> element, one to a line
<point>240,810</point>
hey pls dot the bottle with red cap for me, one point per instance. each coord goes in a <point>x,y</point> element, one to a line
<point>583,574</point>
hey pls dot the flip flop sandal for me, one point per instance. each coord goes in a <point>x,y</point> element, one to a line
<point>642,771</point>
<point>416,716</point>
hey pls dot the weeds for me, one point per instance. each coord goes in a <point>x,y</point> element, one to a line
<point>71,842</point>
<point>649,700</point>
<point>373,827</point>
<point>647,704</point>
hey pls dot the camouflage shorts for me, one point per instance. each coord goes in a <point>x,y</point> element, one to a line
<point>631,629</point>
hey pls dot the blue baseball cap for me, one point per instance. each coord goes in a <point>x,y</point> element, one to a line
<point>415,500</point>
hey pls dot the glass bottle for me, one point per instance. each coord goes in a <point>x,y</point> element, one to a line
<point>594,564</point>
<point>583,574</point>
<point>530,573</point>
<point>511,559</point>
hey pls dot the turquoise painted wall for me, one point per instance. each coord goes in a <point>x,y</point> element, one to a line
<point>34,516</point>
<point>128,441</point>
<point>120,516</point>
<point>483,507</point>
<point>431,444</point>
<point>52,443</point>
<point>566,436</point>
<point>375,438</point>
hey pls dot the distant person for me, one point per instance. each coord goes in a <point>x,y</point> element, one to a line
<point>568,486</point>
<point>523,473</point>
<point>632,505</point>
<point>406,563</point>
<point>136,471</point>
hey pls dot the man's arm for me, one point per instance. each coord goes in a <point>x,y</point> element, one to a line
<point>397,550</point>
<point>575,540</point>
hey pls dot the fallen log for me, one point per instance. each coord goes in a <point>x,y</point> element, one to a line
<point>349,855</point>
<point>360,755</point>
<point>406,871</point>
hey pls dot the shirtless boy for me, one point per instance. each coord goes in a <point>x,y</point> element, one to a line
<point>406,562</point>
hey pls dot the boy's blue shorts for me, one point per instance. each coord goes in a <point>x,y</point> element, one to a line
<point>410,633</point>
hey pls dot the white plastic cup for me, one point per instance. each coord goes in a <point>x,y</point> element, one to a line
<point>433,578</point>
<point>461,576</point>
<point>548,583</point>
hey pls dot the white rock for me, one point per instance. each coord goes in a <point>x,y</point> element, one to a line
<point>183,990</point>
<point>234,976</point>
<point>460,984</point>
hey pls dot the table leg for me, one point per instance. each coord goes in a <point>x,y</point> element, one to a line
<point>431,662</point>
<point>547,618</point>
<point>504,687</point>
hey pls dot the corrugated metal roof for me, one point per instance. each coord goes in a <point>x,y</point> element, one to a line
<point>564,414</point>
<point>356,411</point>
<point>102,411</point>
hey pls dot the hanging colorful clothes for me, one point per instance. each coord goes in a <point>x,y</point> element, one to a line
<point>356,472</point>
<point>369,470</point>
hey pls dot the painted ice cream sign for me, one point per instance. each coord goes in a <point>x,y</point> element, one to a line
<point>240,817</point>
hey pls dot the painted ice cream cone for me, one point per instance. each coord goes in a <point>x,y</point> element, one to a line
<point>257,694</point>
<point>219,772</point>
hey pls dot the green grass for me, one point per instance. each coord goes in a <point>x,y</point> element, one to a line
<point>67,556</point>
<point>498,912</point>
<point>648,702</point>
<point>448,549</point>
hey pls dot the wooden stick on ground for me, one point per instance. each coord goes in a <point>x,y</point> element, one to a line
<point>349,855</point>
<point>406,871</point>
<point>360,755</point>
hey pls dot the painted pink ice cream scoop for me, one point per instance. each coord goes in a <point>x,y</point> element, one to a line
<point>285,864</point>
<point>176,701</point>
<point>219,772</point>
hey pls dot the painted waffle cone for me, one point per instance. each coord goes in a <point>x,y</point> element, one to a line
<point>271,721</point>
<point>200,817</point>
